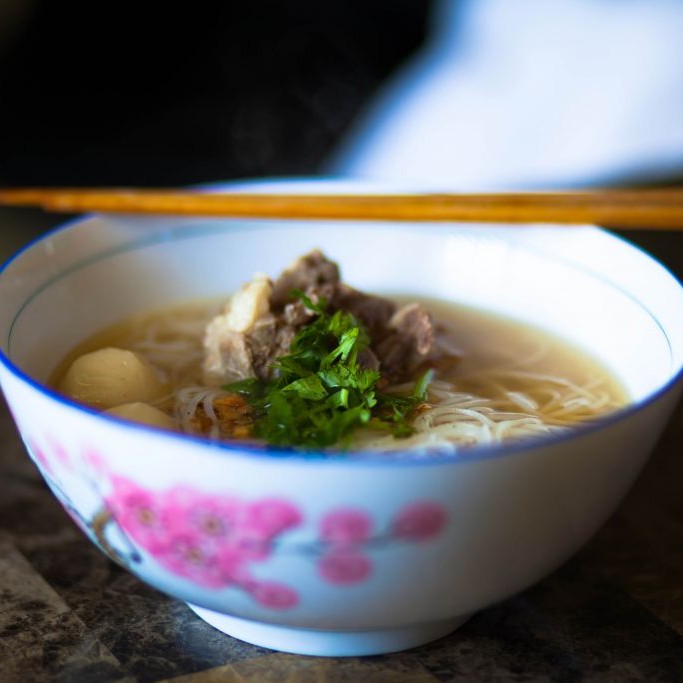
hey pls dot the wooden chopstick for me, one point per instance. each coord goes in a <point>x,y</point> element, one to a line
<point>623,208</point>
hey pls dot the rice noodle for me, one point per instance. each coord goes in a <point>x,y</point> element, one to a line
<point>187,402</point>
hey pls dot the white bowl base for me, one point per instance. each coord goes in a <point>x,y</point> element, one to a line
<point>328,643</point>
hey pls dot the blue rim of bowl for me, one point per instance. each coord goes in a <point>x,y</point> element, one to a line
<point>357,458</point>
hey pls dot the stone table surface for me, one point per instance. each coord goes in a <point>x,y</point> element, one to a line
<point>612,613</point>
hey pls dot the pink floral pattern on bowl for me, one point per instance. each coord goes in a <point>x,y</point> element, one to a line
<point>213,539</point>
<point>210,540</point>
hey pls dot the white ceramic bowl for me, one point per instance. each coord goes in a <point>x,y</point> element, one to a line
<point>329,556</point>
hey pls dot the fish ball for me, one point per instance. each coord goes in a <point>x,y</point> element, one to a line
<point>109,377</point>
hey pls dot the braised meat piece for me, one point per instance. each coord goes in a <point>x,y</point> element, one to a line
<point>228,356</point>
<point>408,344</point>
<point>373,311</point>
<point>269,339</point>
<point>261,319</point>
<point>308,274</point>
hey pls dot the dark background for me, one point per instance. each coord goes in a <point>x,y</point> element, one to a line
<point>128,93</point>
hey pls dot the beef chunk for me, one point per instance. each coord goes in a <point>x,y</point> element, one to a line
<point>373,311</point>
<point>298,314</point>
<point>268,340</point>
<point>413,321</point>
<point>318,278</point>
<point>307,273</point>
<point>408,343</point>
<point>228,357</point>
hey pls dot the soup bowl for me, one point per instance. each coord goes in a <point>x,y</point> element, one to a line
<point>349,554</point>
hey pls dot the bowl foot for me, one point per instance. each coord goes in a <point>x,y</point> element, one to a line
<point>328,643</point>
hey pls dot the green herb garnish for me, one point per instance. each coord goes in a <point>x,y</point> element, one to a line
<point>321,393</point>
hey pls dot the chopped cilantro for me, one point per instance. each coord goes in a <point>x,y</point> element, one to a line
<point>321,393</point>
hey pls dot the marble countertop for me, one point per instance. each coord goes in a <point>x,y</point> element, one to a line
<point>613,612</point>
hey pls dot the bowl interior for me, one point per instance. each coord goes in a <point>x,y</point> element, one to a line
<point>587,286</point>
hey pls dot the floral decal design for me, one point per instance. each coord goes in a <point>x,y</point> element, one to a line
<point>210,540</point>
<point>347,533</point>
<point>214,540</point>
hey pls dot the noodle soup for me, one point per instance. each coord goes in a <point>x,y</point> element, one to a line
<point>511,381</point>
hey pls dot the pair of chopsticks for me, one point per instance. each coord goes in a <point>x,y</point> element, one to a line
<point>620,208</point>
